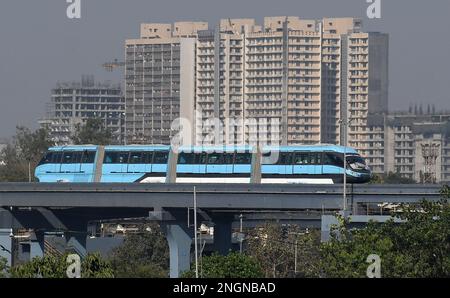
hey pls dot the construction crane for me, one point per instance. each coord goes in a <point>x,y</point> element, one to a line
<point>110,66</point>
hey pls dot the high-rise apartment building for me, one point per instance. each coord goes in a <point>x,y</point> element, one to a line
<point>294,78</point>
<point>159,80</point>
<point>289,81</point>
<point>72,103</point>
<point>414,144</point>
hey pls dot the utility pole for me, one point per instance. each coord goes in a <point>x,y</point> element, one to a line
<point>345,124</point>
<point>195,233</point>
<point>241,238</point>
<point>295,258</point>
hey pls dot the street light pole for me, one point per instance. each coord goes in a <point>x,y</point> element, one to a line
<point>345,124</point>
<point>240,231</point>
<point>295,258</point>
<point>195,233</point>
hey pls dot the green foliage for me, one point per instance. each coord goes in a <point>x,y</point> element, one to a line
<point>143,254</point>
<point>233,265</point>
<point>92,132</point>
<point>3,267</point>
<point>445,192</point>
<point>274,248</point>
<point>391,178</point>
<point>418,247</point>
<point>92,266</point>
<point>46,267</point>
<point>26,149</point>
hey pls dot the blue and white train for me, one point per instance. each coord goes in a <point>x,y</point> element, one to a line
<point>319,164</point>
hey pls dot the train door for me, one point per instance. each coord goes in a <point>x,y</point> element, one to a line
<point>215,163</point>
<point>301,163</point>
<point>54,165</point>
<point>115,166</point>
<point>136,163</point>
<point>287,158</point>
<point>202,159</point>
<point>228,160</point>
<point>87,166</point>
<point>316,163</point>
<point>71,166</point>
<point>148,161</point>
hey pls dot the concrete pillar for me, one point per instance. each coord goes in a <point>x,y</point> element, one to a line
<point>171,176</point>
<point>222,233</point>
<point>6,245</point>
<point>180,241</point>
<point>76,241</point>
<point>37,245</point>
<point>256,166</point>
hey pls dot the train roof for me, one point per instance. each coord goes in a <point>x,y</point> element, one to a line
<point>73,148</point>
<point>322,147</point>
<point>137,147</point>
<point>226,148</point>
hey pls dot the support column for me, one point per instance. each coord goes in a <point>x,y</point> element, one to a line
<point>6,245</point>
<point>180,241</point>
<point>37,245</point>
<point>76,240</point>
<point>222,233</point>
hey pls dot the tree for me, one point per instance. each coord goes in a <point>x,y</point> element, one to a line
<point>274,247</point>
<point>391,178</point>
<point>92,266</point>
<point>143,254</point>
<point>22,155</point>
<point>3,267</point>
<point>233,265</point>
<point>92,132</point>
<point>417,247</point>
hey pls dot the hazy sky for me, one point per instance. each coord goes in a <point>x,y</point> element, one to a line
<point>39,45</point>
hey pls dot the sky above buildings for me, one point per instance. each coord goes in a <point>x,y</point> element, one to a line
<point>40,46</point>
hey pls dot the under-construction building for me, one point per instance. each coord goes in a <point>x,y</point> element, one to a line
<point>72,103</point>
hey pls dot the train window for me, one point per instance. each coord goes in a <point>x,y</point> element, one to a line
<point>201,158</point>
<point>186,158</point>
<point>76,157</point>
<point>88,157</point>
<point>215,158</point>
<point>47,158</point>
<point>135,157</point>
<point>333,159</point>
<point>301,158</point>
<point>56,158</point>
<point>67,157</point>
<point>284,158</point>
<point>316,158</point>
<point>160,157</point>
<point>228,158</point>
<point>116,157</point>
<point>147,157</point>
<point>243,159</point>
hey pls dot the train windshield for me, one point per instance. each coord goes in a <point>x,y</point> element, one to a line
<point>356,162</point>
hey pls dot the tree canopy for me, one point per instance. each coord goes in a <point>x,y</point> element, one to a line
<point>419,246</point>
<point>93,131</point>
<point>143,254</point>
<point>23,153</point>
<point>233,265</point>
<point>92,266</point>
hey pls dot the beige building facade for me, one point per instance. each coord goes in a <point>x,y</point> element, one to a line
<point>413,144</point>
<point>287,81</point>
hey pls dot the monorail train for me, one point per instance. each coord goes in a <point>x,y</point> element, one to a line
<point>320,164</point>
